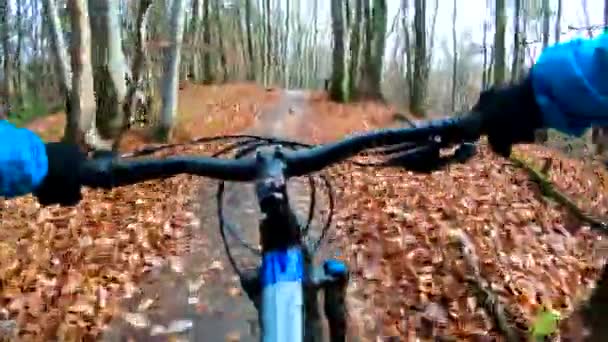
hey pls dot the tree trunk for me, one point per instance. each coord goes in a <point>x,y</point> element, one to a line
<point>455,60</point>
<point>132,100</point>
<point>220,40</point>
<point>336,92</point>
<point>525,15</point>
<point>431,40</point>
<point>546,20</point>
<point>194,40</point>
<point>208,75</point>
<point>558,21</point>
<point>171,72</point>
<point>355,48</point>
<point>366,85</point>
<point>485,75</point>
<point>499,43</point>
<point>587,20</point>
<point>418,94</point>
<point>285,55</point>
<point>378,41</point>
<point>268,75</point>
<point>59,50</point>
<point>251,63</point>
<point>314,70</point>
<point>409,65</point>
<point>19,63</point>
<point>110,67</point>
<point>80,125</point>
<point>517,43</point>
<point>5,15</point>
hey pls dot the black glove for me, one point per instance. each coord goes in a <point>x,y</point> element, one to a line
<point>62,182</point>
<point>509,115</point>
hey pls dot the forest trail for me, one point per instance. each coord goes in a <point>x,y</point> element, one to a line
<point>201,298</point>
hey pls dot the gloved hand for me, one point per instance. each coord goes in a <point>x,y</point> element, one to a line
<point>509,115</point>
<point>62,182</point>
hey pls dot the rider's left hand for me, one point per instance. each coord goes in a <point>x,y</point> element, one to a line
<point>62,182</point>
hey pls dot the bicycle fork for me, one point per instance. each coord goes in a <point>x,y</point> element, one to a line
<point>334,289</point>
<point>332,278</point>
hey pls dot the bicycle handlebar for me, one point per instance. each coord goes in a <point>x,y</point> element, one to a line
<point>108,172</point>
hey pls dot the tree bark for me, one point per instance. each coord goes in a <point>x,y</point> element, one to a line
<point>408,45</point>
<point>558,21</point>
<point>499,43</point>
<point>250,54</point>
<point>171,73</point>
<point>110,67</point>
<point>485,74</point>
<point>5,15</point>
<point>131,103</point>
<point>418,94</point>
<point>336,92</point>
<point>517,43</point>
<point>455,59</point>
<point>355,49</point>
<point>194,40</point>
<point>80,125</point>
<point>59,50</point>
<point>431,39</point>
<point>366,84</point>
<point>208,74</point>
<point>220,40</point>
<point>546,20</point>
<point>378,41</point>
<point>268,75</point>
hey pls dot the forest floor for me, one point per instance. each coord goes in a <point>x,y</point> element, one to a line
<point>70,273</point>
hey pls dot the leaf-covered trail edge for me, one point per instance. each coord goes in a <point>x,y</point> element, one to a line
<point>64,269</point>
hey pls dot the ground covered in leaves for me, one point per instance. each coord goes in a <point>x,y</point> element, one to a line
<point>413,242</point>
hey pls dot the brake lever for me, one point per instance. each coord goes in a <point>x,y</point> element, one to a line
<point>427,159</point>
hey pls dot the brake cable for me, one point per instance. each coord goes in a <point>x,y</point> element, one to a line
<point>247,144</point>
<point>247,147</point>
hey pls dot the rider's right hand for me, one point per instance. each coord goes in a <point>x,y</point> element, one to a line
<point>509,115</point>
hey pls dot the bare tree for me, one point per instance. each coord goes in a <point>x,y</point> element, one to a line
<point>517,42</point>
<point>268,52</point>
<point>59,50</point>
<point>220,40</point>
<point>558,21</point>
<point>132,100</point>
<point>485,74</point>
<point>455,58</point>
<point>336,91</point>
<point>171,72</point>
<point>587,21</point>
<point>208,75</point>
<point>365,85</point>
<point>286,45</point>
<point>5,10</point>
<point>499,43</point>
<point>80,125</point>
<point>355,49</point>
<point>110,67</point>
<point>409,65</point>
<point>194,40</point>
<point>418,93</point>
<point>546,7</point>
<point>250,54</point>
<point>378,41</point>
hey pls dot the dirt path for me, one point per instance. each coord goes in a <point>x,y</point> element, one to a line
<point>199,297</point>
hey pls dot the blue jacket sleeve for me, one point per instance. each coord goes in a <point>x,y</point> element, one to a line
<point>23,160</point>
<point>571,84</point>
